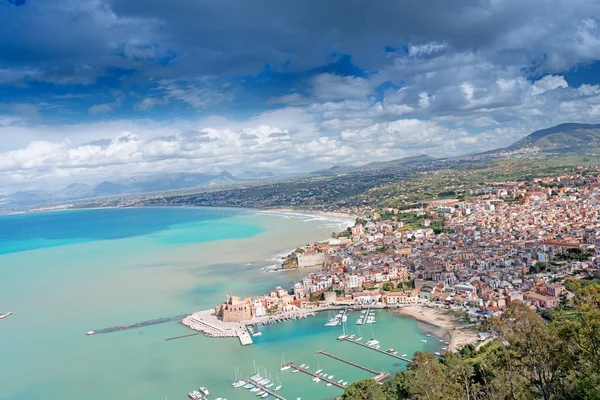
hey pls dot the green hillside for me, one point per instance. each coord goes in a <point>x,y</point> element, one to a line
<point>561,136</point>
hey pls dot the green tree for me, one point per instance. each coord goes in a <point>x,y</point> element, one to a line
<point>428,380</point>
<point>367,389</point>
<point>397,387</point>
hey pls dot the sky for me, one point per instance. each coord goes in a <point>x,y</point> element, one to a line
<point>94,90</point>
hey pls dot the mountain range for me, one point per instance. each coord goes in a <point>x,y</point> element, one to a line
<point>565,136</point>
<point>133,185</point>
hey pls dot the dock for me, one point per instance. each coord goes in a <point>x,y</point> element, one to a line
<point>366,317</point>
<point>349,362</point>
<point>374,349</point>
<point>344,314</point>
<point>138,324</point>
<point>182,336</point>
<point>323,378</point>
<point>272,393</point>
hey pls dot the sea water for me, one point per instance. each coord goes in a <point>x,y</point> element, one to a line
<point>65,273</point>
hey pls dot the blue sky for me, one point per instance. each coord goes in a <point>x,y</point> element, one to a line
<point>105,89</point>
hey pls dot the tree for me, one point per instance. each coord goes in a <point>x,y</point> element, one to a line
<point>533,350</point>
<point>428,380</point>
<point>397,387</point>
<point>367,389</point>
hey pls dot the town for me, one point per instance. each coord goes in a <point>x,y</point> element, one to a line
<point>513,241</point>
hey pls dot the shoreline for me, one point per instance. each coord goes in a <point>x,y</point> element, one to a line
<point>440,324</point>
<point>337,215</point>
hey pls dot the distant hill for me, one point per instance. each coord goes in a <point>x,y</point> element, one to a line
<point>560,136</point>
<point>400,162</point>
<point>133,185</point>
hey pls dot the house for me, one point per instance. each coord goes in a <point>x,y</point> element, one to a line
<point>540,300</point>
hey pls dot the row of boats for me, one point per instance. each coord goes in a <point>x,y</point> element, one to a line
<point>367,317</point>
<point>339,319</point>
<point>201,394</point>
<point>257,384</point>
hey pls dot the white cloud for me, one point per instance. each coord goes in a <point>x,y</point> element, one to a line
<point>148,103</point>
<point>548,82</point>
<point>425,49</point>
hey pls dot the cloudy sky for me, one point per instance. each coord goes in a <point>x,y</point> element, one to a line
<point>102,89</point>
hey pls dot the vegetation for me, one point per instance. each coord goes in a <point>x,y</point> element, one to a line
<point>530,359</point>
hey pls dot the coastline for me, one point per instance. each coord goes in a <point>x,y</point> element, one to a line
<point>440,324</point>
<point>342,216</point>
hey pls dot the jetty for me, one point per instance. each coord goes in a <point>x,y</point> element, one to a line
<point>137,324</point>
<point>348,362</point>
<point>374,349</point>
<point>344,314</point>
<point>261,387</point>
<point>321,377</point>
<point>366,316</point>
<point>182,336</point>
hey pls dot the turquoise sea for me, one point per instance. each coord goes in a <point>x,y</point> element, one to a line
<point>64,273</point>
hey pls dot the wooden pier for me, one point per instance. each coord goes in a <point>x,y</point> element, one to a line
<point>264,389</point>
<point>182,336</point>
<point>374,349</point>
<point>323,378</point>
<point>366,316</point>
<point>349,362</point>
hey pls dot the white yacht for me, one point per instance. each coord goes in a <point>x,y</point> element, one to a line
<point>333,322</point>
<point>204,391</point>
<point>284,366</point>
<point>423,341</point>
<point>372,342</point>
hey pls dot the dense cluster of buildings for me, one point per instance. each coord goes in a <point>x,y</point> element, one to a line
<point>513,241</point>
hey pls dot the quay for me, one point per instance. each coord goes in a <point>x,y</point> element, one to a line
<point>349,362</point>
<point>182,336</point>
<point>207,323</point>
<point>137,325</point>
<point>379,350</point>
<point>323,378</point>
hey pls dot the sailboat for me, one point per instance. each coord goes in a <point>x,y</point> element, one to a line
<point>372,342</point>
<point>319,370</point>
<point>279,385</point>
<point>359,338</point>
<point>284,366</point>
<point>344,335</point>
<point>238,382</point>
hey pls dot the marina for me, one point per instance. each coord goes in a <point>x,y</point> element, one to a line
<point>137,325</point>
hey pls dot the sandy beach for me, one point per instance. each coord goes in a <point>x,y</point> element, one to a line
<point>442,324</point>
<point>343,216</point>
